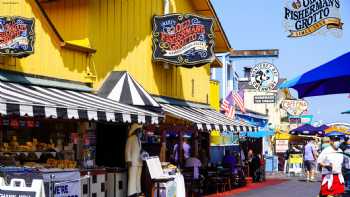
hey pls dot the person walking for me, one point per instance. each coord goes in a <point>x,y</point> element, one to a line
<point>310,157</point>
<point>331,161</point>
<point>346,165</point>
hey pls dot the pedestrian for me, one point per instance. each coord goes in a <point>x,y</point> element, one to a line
<point>195,163</point>
<point>310,157</point>
<point>230,161</point>
<point>346,165</point>
<point>256,163</point>
<point>249,159</point>
<point>325,143</point>
<point>186,150</point>
<point>331,161</point>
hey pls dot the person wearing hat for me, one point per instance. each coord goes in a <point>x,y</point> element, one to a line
<point>325,143</point>
<point>133,160</point>
<point>331,161</point>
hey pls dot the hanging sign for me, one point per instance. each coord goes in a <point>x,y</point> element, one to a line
<point>305,17</point>
<point>306,119</point>
<point>264,76</point>
<point>16,36</point>
<point>265,99</point>
<point>185,40</point>
<point>294,107</point>
<point>294,119</point>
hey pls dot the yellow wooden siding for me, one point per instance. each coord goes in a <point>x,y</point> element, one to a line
<point>49,59</point>
<point>121,31</point>
<point>70,17</point>
<point>214,95</point>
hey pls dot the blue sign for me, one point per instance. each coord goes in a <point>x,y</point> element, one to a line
<point>16,36</point>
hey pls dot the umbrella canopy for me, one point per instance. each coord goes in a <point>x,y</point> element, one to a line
<point>307,129</point>
<point>330,78</point>
<point>334,131</point>
<point>346,112</point>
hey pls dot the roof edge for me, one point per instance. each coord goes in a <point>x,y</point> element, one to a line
<point>211,7</point>
<point>62,42</point>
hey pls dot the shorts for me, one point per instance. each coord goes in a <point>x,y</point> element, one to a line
<point>309,165</point>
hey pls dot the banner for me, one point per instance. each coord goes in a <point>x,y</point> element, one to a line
<point>329,22</point>
<point>16,36</point>
<point>186,40</point>
<point>67,184</point>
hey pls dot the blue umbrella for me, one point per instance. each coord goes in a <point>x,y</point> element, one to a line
<point>307,130</point>
<point>330,78</point>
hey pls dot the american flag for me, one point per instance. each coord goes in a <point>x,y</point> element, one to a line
<point>238,99</point>
<point>228,106</point>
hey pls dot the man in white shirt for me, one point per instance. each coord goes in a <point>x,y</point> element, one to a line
<point>331,161</point>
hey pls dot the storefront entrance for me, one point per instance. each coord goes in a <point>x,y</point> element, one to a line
<point>111,140</point>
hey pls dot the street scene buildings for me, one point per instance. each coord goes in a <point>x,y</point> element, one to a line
<point>149,98</point>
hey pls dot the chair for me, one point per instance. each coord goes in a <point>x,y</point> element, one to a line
<point>214,178</point>
<point>194,187</point>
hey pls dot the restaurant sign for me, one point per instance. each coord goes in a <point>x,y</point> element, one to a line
<point>16,36</point>
<point>294,107</point>
<point>264,76</point>
<point>305,17</point>
<point>186,40</point>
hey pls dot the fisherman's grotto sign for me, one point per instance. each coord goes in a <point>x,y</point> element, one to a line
<point>185,40</point>
<point>16,36</point>
<point>305,17</point>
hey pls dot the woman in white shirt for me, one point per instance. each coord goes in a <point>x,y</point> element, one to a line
<point>331,161</point>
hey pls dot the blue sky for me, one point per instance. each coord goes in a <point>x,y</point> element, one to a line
<point>258,24</point>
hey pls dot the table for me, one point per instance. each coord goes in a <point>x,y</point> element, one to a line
<point>175,186</point>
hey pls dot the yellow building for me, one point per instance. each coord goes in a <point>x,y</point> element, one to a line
<point>85,40</point>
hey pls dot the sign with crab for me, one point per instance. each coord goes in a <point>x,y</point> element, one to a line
<point>183,39</point>
<point>264,77</point>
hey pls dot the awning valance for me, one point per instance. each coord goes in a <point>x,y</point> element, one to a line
<point>206,119</point>
<point>38,101</point>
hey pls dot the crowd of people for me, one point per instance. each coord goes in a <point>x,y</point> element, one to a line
<point>250,164</point>
<point>330,157</point>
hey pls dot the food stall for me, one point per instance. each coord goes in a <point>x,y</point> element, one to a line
<point>60,136</point>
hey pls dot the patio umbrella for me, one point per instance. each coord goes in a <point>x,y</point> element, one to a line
<point>336,131</point>
<point>330,78</point>
<point>307,129</point>
<point>346,112</point>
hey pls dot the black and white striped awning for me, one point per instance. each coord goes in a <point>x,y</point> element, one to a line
<point>46,102</point>
<point>206,119</point>
<point>122,87</point>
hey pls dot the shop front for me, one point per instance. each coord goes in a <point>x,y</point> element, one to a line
<point>59,136</point>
